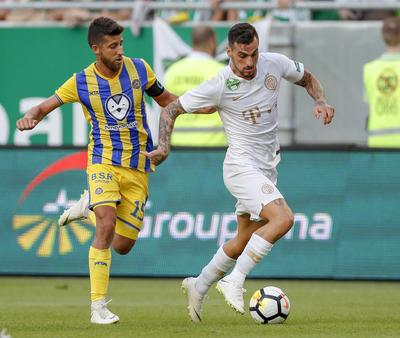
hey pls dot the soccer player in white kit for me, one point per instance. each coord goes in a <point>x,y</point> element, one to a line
<point>245,93</point>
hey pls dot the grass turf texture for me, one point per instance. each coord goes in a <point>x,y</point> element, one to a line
<point>59,307</point>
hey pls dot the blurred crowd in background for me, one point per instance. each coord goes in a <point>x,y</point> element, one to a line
<point>283,11</point>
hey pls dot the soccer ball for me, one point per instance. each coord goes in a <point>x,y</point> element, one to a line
<point>269,305</point>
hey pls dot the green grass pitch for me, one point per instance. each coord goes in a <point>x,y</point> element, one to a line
<point>59,307</point>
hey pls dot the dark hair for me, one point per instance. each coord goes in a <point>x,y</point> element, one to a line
<point>391,31</point>
<point>102,26</point>
<point>242,33</point>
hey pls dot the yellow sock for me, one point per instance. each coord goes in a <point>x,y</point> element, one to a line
<point>99,268</point>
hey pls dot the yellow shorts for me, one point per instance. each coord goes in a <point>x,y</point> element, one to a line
<point>124,188</point>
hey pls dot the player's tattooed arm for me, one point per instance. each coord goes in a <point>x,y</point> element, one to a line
<point>316,91</point>
<point>168,116</point>
<point>313,86</point>
<point>167,120</point>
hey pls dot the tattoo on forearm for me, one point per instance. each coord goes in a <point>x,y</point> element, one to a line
<point>312,85</point>
<point>167,120</point>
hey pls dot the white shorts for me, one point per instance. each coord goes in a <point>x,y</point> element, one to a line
<point>252,187</point>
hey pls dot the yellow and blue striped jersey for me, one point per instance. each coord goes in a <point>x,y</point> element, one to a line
<point>115,109</point>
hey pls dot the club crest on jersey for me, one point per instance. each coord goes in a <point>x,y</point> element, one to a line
<point>136,84</point>
<point>232,84</point>
<point>270,82</point>
<point>118,106</point>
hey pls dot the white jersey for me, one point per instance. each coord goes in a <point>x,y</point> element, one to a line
<point>248,108</point>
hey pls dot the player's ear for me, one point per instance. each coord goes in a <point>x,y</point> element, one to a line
<point>95,48</point>
<point>229,51</point>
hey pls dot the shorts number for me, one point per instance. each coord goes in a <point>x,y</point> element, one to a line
<point>138,206</point>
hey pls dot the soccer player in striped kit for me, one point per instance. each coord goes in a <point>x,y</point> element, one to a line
<point>111,92</point>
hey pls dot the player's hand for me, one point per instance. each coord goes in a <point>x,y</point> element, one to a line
<point>325,110</point>
<point>156,156</point>
<point>26,123</point>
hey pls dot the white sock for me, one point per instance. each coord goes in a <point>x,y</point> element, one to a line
<point>214,270</point>
<point>253,253</point>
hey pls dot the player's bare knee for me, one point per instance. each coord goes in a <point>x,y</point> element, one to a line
<point>122,245</point>
<point>286,221</point>
<point>106,222</point>
<point>122,250</point>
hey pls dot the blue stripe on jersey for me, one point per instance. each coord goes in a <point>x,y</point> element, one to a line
<point>134,133</point>
<point>83,94</point>
<point>105,93</point>
<point>141,69</point>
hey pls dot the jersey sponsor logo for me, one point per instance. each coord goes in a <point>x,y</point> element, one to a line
<point>252,115</point>
<point>267,188</point>
<point>232,84</point>
<point>98,191</point>
<point>387,81</point>
<point>136,84</point>
<point>118,106</point>
<point>270,82</point>
<point>297,65</point>
<point>117,127</point>
<point>94,93</point>
<point>101,177</point>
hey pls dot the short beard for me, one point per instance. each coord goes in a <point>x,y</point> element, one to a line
<point>112,66</point>
<point>248,77</point>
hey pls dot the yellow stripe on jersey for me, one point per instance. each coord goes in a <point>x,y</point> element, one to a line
<point>151,76</point>
<point>133,74</point>
<point>116,111</point>
<point>101,150</point>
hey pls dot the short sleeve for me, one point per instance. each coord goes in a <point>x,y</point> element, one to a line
<point>292,71</point>
<point>68,92</point>
<point>151,76</point>
<point>207,94</point>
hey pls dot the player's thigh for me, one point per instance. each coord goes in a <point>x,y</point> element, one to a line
<point>252,189</point>
<point>277,210</point>
<point>130,212</point>
<point>103,185</point>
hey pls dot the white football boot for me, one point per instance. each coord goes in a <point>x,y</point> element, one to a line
<point>100,314</point>
<point>77,211</point>
<point>195,299</point>
<point>233,294</point>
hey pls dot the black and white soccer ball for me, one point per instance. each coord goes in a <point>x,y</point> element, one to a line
<point>269,305</point>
